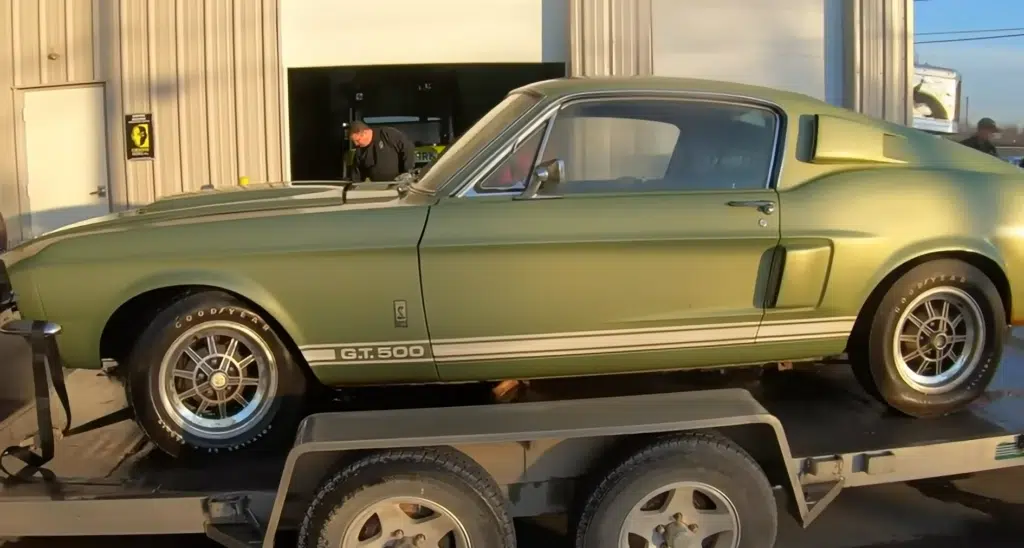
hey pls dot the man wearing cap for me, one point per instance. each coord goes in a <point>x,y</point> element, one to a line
<point>982,138</point>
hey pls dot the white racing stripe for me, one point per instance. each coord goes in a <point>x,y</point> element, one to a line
<point>803,329</point>
<point>588,342</point>
<point>319,354</point>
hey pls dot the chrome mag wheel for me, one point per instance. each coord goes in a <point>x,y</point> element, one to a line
<point>217,380</point>
<point>938,340</point>
<point>682,515</point>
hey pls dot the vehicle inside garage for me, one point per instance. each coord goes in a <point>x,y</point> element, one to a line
<point>431,104</point>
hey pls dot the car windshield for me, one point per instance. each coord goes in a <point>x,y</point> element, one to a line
<point>483,132</point>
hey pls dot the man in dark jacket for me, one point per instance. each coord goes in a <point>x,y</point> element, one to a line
<point>982,138</point>
<point>381,154</point>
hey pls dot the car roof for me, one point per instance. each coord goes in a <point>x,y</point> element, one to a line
<point>560,87</point>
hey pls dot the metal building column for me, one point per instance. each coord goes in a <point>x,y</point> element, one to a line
<point>879,44</point>
<point>610,38</point>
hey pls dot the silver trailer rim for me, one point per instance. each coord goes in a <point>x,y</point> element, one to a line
<point>217,380</point>
<point>405,522</point>
<point>687,514</point>
<point>938,340</point>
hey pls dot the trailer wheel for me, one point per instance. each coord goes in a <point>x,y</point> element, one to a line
<point>209,375</point>
<point>696,490</point>
<point>935,340</point>
<point>409,498</point>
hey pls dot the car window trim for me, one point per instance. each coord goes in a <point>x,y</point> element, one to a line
<point>467,190</point>
<point>506,154</point>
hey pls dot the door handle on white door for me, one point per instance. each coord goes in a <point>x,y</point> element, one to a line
<point>100,191</point>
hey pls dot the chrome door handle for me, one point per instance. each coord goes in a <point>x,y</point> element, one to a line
<point>764,206</point>
<point>100,191</point>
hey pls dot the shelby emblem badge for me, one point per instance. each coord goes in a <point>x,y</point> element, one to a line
<point>401,314</point>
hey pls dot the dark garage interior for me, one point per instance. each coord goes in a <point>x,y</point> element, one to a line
<point>432,104</point>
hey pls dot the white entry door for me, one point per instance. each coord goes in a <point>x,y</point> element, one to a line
<point>66,153</point>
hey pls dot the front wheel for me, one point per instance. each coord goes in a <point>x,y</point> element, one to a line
<point>935,341</point>
<point>210,375</point>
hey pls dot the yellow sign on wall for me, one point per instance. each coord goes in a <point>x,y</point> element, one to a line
<point>139,136</point>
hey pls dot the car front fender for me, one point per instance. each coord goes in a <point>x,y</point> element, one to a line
<point>215,280</point>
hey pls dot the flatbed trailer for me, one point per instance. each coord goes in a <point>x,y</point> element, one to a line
<point>573,446</point>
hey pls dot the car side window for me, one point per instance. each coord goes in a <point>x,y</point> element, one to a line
<point>657,145</point>
<point>514,171</point>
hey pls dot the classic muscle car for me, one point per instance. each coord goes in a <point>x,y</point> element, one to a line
<point>581,227</point>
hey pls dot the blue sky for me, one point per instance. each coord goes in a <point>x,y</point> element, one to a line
<point>992,70</point>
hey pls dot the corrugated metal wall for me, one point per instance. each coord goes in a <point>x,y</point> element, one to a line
<point>610,38</point>
<point>880,58</point>
<point>614,37</point>
<point>208,70</point>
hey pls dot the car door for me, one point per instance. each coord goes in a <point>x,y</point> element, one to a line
<point>653,252</point>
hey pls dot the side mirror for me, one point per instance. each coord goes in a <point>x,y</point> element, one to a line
<point>545,176</point>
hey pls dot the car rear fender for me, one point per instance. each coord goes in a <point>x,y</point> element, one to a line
<point>977,250</point>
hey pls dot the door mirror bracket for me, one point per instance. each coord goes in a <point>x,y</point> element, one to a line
<point>545,177</point>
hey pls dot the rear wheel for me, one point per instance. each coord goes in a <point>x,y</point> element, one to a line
<point>694,490</point>
<point>935,340</point>
<point>210,375</point>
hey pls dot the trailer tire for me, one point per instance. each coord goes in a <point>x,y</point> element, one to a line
<point>276,402</point>
<point>720,471</point>
<point>940,290</point>
<point>445,481</point>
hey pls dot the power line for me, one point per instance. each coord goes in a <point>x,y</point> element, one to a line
<point>978,31</point>
<point>974,39</point>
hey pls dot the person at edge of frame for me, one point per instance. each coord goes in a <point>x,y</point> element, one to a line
<point>982,138</point>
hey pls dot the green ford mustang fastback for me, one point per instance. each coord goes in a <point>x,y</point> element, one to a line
<point>581,227</point>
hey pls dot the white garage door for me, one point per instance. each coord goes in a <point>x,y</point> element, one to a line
<point>325,33</point>
<point>788,44</point>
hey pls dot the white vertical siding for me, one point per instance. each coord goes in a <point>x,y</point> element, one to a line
<point>10,199</point>
<point>878,58</point>
<point>610,38</point>
<point>42,43</point>
<point>854,53</point>
<point>208,70</point>
<point>201,68</point>
<point>881,49</point>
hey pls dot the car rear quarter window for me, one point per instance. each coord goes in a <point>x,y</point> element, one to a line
<point>658,145</point>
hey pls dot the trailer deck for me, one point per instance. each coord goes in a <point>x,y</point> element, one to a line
<point>830,436</point>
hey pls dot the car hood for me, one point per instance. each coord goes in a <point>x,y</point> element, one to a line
<point>226,203</point>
